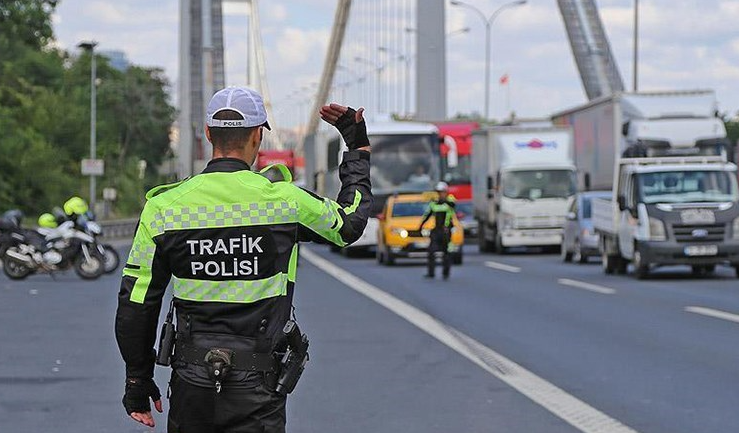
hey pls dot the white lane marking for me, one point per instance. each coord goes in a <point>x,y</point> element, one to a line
<point>503,267</point>
<point>567,407</point>
<point>710,312</point>
<point>586,286</point>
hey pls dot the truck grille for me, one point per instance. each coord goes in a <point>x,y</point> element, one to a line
<point>539,222</point>
<point>699,233</point>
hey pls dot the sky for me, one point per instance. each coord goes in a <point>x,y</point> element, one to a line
<point>684,44</point>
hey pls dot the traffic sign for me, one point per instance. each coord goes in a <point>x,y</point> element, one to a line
<point>93,167</point>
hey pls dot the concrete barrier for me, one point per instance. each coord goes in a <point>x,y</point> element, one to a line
<point>119,229</point>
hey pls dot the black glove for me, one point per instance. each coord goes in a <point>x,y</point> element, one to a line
<point>138,392</point>
<point>355,134</point>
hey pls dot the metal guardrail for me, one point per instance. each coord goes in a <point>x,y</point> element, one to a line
<point>119,229</point>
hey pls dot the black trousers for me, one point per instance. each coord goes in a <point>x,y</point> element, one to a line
<point>439,242</point>
<point>194,409</point>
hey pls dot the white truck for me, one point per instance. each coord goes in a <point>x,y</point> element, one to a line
<point>523,181</point>
<point>674,193</point>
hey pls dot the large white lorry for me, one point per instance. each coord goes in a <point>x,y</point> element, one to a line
<point>674,194</point>
<point>523,180</point>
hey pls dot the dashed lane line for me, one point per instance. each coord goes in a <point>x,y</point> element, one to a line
<point>557,401</point>
<point>503,267</point>
<point>717,314</point>
<point>586,286</point>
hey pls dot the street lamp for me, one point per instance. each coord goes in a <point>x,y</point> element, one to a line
<point>488,21</point>
<point>458,32</point>
<point>378,68</point>
<point>89,46</point>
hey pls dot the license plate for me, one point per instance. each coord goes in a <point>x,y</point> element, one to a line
<point>701,250</point>
<point>421,244</point>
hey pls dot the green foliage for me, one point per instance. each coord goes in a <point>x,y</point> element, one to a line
<point>45,118</point>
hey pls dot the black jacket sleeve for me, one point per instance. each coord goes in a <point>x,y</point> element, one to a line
<point>340,222</point>
<point>145,279</point>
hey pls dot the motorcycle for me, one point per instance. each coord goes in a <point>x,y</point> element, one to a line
<point>50,250</point>
<point>111,259</point>
<point>85,222</point>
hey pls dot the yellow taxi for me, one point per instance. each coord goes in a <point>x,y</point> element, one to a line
<point>398,235</point>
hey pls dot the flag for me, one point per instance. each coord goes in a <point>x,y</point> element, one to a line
<point>504,79</point>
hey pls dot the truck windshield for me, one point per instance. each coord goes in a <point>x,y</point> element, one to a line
<point>459,175</point>
<point>686,187</point>
<point>535,184</point>
<point>403,162</point>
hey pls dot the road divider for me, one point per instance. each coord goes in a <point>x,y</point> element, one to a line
<point>586,286</point>
<point>503,267</point>
<point>717,314</point>
<point>557,401</point>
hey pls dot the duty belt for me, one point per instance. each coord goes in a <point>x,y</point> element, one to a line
<point>241,360</point>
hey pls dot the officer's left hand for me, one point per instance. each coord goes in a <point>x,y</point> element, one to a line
<point>136,400</point>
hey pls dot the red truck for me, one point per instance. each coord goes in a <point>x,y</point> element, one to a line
<point>456,167</point>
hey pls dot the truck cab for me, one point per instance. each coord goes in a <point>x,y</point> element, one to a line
<point>671,211</point>
<point>523,182</point>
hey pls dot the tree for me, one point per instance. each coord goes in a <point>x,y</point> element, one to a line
<point>44,116</point>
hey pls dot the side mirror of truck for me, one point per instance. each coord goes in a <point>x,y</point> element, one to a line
<point>621,203</point>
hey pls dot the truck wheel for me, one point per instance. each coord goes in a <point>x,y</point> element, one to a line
<point>485,245</point>
<point>499,248</point>
<point>609,263</point>
<point>641,269</point>
<point>565,255</point>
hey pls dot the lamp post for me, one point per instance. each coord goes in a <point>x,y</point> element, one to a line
<point>488,21</point>
<point>636,45</point>
<point>89,46</point>
<point>378,68</point>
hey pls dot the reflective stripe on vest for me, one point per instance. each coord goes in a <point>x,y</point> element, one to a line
<point>237,291</point>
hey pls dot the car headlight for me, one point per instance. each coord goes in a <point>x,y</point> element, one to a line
<point>735,229</point>
<point>403,233</point>
<point>657,230</point>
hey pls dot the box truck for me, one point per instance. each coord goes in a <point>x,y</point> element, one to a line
<point>664,157</point>
<point>523,180</point>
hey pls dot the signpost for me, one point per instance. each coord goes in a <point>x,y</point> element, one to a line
<point>92,167</point>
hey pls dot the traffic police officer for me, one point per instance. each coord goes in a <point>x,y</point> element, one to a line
<point>228,240</point>
<point>442,209</point>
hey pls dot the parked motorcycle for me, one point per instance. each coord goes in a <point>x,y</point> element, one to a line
<point>111,258</point>
<point>50,250</point>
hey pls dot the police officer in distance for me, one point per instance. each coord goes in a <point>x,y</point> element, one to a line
<point>442,210</point>
<point>227,238</point>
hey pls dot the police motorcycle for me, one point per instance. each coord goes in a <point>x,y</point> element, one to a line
<point>86,223</point>
<point>48,250</point>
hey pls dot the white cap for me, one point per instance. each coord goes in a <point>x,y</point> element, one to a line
<point>442,186</point>
<point>242,100</point>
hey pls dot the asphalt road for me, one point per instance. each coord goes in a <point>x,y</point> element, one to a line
<point>609,352</point>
